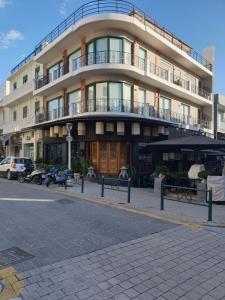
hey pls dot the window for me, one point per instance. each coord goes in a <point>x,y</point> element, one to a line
<point>55,108</point>
<point>141,101</point>
<point>14,115</point>
<point>164,105</point>
<point>25,79</point>
<point>14,86</point>
<point>142,59</point>
<point>25,112</point>
<point>109,50</point>
<point>74,102</point>
<point>109,96</point>
<point>37,73</point>
<point>55,72</point>
<point>75,60</point>
<point>37,107</point>
<point>185,113</point>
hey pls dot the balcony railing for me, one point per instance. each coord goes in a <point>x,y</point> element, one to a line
<point>120,57</point>
<point>112,6</point>
<point>118,105</point>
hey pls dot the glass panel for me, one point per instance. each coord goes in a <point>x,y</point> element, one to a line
<point>101,51</point>
<point>74,100</point>
<point>112,154</point>
<point>103,150</point>
<point>115,96</point>
<point>91,53</point>
<point>126,97</point>
<point>185,113</point>
<point>141,59</point>
<point>55,108</point>
<point>116,48</point>
<point>127,52</point>
<point>164,108</point>
<point>91,101</point>
<point>101,96</point>
<point>141,101</point>
<point>75,60</point>
<point>55,72</point>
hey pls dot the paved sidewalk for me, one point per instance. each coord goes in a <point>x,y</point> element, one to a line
<point>179,263</point>
<point>144,199</point>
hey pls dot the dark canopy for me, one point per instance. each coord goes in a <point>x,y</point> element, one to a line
<point>190,142</point>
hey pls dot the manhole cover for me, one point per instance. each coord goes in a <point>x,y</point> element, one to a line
<point>64,201</point>
<point>13,255</point>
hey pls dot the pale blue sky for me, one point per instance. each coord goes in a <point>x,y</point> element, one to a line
<point>23,23</point>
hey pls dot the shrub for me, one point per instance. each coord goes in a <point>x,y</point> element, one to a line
<point>203,174</point>
<point>163,170</point>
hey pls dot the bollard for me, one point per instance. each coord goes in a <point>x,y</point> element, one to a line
<point>65,184</point>
<point>162,197</point>
<point>82,184</point>
<point>210,206</point>
<point>103,182</point>
<point>129,190</point>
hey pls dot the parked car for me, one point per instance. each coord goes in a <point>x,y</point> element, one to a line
<point>12,166</point>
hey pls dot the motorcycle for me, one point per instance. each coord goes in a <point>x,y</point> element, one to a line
<point>61,179</point>
<point>36,176</point>
<point>51,176</point>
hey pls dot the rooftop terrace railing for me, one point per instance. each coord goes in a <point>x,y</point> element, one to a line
<point>111,6</point>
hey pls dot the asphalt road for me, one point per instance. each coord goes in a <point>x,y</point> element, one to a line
<point>53,227</point>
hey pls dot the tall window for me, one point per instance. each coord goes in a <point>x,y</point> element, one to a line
<point>109,96</point>
<point>75,60</point>
<point>109,50</point>
<point>55,108</point>
<point>25,112</point>
<point>74,102</point>
<point>14,86</point>
<point>164,105</point>
<point>25,79</point>
<point>37,107</point>
<point>37,72</point>
<point>185,113</point>
<point>55,71</point>
<point>14,115</point>
<point>142,59</point>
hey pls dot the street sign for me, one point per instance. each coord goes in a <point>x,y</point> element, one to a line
<point>69,139</point>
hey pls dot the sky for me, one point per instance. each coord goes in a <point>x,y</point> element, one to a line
<point>200,23</point>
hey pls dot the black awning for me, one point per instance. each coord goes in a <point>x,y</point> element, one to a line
<point>190,142</point>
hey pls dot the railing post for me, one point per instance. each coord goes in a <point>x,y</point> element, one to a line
<point>82,184</point>
<point>103,182</point>
<point>210,206</point>
<point>162,196</point>
<point>129,190</point>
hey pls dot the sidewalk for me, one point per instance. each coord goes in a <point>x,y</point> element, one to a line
<point>145,200</point>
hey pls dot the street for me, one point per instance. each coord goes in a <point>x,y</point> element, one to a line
<point>67,248</point>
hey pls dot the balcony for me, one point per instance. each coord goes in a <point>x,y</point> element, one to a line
<point>124,107</point>
<point>18,93</point>
<point>145,69</point>
<point>121,7</point>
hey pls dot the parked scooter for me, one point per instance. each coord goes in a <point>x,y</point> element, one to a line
<point>51,176</point>
<point>36,176</point>
<point>61,179</point>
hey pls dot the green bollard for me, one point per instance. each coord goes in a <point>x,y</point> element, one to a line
<point>103,182</point>
<point>210,206</point>
<point>82,184</point>
<point>162,197</point>
<point>129,190</point>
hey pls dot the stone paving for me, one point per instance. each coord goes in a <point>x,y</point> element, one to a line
<point>144,199</point>
<point>179,263</point>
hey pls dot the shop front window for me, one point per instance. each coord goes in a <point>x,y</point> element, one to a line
<point>29,150</point>
<point>54,153</point>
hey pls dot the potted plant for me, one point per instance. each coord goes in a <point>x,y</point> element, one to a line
<point>160,173</point>
<point>76,167</point>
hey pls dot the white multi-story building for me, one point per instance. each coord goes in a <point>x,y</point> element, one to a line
<point>119,77</point>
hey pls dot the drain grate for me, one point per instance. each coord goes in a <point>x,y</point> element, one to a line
<point>12,256</point>
<point>64,201</point>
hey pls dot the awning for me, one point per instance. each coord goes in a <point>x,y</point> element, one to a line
<point>190,142</point>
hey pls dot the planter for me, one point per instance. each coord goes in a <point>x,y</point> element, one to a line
<point>201,195</point>
<point>76,177</point>
<point>157,185</point>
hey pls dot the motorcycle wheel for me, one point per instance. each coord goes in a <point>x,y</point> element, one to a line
<point>48,181</point>
<point>38,180</point>
<point>21,179</point>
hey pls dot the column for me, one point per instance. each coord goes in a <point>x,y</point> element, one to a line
<point>83,52</point>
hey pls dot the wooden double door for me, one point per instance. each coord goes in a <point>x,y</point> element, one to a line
<point>108,157</point>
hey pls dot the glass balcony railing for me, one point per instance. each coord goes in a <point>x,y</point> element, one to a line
<point>121,57</point>
<point>118,105</point>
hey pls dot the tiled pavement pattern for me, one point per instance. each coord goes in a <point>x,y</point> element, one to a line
<point>180,263</point>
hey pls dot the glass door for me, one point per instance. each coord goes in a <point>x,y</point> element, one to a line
<point>116,50</point>
<point>101,97</point>
<point>164,106</point>
<point>101,51</point>
<point>115,97</point>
